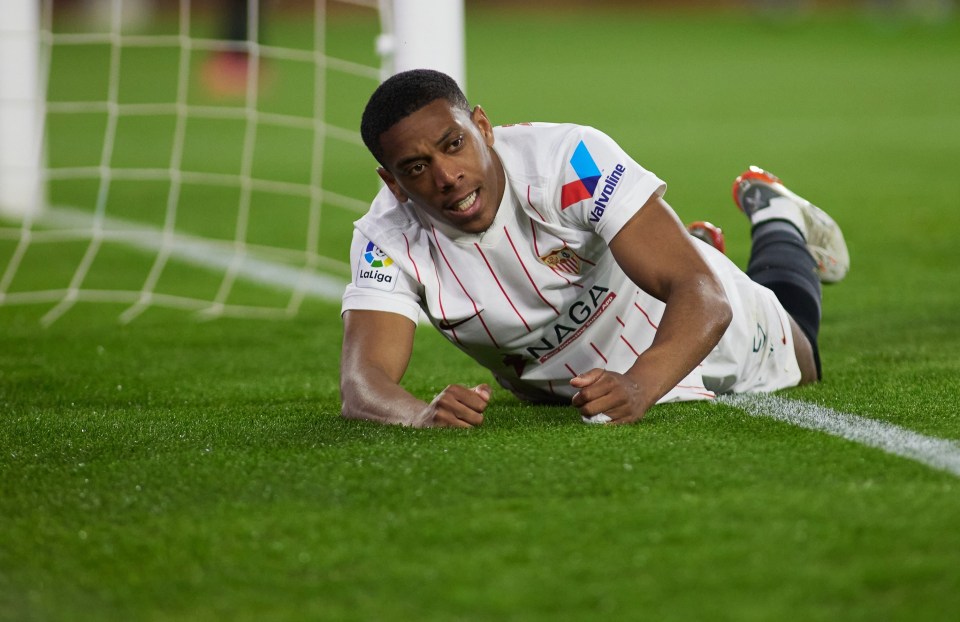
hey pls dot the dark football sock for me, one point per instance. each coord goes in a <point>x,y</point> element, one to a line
<point>780,261</point>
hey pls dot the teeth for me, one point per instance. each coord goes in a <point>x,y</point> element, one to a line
<point>465,203</point>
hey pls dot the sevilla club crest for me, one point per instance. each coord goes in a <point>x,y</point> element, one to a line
<point>563,259</point>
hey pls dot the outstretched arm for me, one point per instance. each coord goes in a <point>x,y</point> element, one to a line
<point>656,252</point>
<point>376,350</point>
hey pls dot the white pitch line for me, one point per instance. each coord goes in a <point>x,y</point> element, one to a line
<point>204,254</point>
<point>937,453</point>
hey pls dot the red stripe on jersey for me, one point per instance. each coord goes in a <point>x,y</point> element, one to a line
<point>500,285</point>
<point>569,282</point>
<point>530,203</point>
<point>527,272</point>
<point>570,369</point>
<point>460,283</point>
<point>443,313</point>
<point>649,321</point>
<point>630,345</point>
<point>533,231</point>
<point>597,350</point>
<point>415,268</point>
<point>624,339</point>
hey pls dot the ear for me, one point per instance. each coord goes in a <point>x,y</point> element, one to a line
<point>391,182</point>
<point>479,117</point>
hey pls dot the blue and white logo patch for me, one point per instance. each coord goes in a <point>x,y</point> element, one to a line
<point>376,270</point>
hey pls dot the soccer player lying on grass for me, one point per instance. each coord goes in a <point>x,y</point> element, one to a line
<point>549,256</point>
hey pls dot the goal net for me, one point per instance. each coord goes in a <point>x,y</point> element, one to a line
<point>195,155</point>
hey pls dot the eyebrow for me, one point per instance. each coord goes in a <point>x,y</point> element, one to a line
<point>446,135</point>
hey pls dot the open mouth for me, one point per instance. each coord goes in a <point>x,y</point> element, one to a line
<point>463,205</point>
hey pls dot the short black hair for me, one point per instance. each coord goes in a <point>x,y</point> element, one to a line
<point>400,96</point>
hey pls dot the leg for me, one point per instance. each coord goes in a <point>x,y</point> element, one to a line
<point>779,261</point>
<point>809,363</point>
<point>795,246</point>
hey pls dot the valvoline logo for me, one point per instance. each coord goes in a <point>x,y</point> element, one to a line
<point>588,179</point>
<point>375,257</point>
<point>588,176</point>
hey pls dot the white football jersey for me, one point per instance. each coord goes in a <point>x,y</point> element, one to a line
<point>538,298</point>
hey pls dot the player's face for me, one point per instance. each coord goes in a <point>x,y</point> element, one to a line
<point>442,159</point>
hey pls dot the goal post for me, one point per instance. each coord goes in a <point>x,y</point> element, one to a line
<point>424,34</point>
<point>21,109</point>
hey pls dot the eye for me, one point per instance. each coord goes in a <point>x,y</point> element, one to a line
<point>456,143</point>
<point>416,169</point>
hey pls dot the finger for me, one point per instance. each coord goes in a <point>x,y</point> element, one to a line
<point>587,378</point>
<point>458,415</point>
<point>470,417</point>
<point>608,404</point>
<point>460,403</point>
<point>471,398</point>
<point>483,390</point>
<point>625,413</point>
<point>447,419</point>
<point>605,396</point>
<point>627,419</point>
<point>594,384</point>
<point>618,415</point>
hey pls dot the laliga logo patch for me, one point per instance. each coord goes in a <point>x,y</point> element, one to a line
<point>376,257</point>
<point>376,269</point>
<point>563,259</point>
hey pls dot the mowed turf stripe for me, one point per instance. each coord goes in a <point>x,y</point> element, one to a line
<point>937,453</point>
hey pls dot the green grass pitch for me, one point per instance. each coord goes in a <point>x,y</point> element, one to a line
<point>177,469</point>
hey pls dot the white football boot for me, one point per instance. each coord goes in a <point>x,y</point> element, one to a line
<point>763,197</point>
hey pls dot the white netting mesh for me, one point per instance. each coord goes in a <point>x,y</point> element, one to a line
<point>187,169</point>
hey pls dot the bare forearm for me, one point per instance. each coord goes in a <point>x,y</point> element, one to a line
<point>376,350</point>
<point>375,397</point>
<point>655,251</point>
<point>695,319</point>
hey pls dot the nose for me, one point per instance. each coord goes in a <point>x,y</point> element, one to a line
<point>446,173</point>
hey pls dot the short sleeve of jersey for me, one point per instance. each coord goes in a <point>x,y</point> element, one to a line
<point>603,187</point>
<point>378,283</point>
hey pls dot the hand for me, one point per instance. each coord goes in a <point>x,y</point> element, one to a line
<point>613,394</point>
<point>456,406</point>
